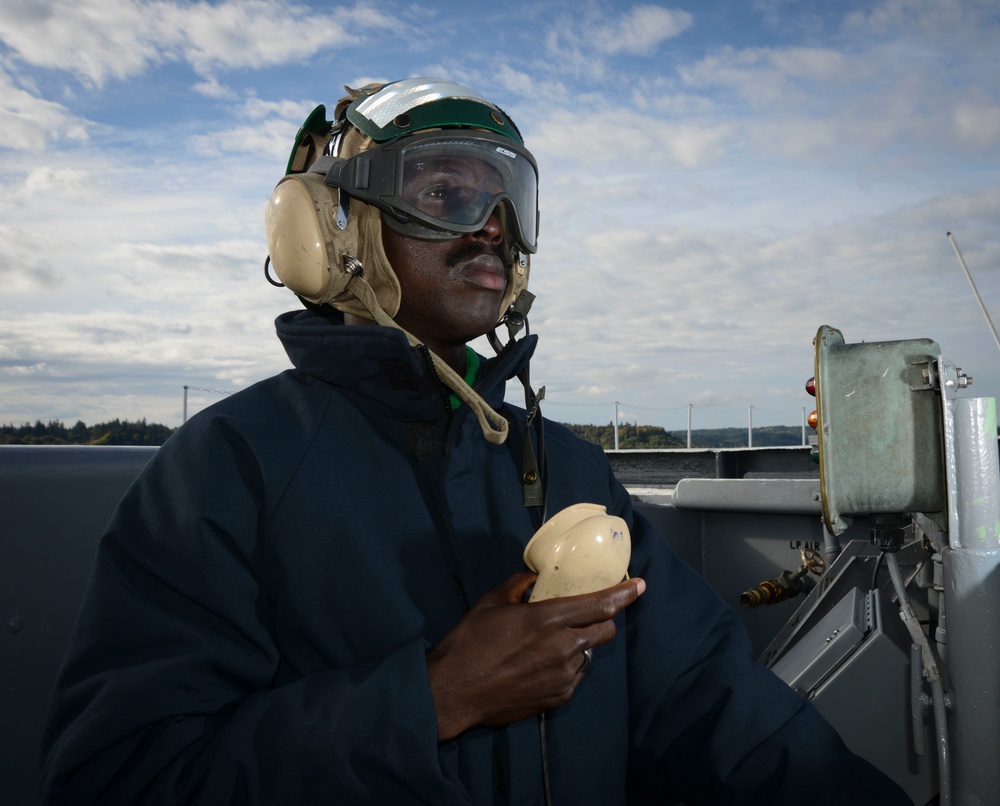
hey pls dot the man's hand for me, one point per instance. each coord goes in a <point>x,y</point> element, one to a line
<point>507,661</point>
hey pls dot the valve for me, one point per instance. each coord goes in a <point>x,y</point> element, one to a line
<point>788,584</point>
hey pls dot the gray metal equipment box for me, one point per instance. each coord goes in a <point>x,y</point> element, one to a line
<point>856,660</point>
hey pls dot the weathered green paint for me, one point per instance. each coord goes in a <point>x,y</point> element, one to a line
<point>881,444</point>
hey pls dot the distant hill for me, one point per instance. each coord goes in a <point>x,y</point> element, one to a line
<point>630,436</point>
<point>767,436</point>
<point>652,436</point>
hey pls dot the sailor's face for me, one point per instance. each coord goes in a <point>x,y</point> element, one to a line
<point>451,289</point>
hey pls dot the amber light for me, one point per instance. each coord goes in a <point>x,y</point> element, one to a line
<point>813,421</point>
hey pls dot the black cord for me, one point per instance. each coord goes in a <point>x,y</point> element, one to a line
<point>267,273</point>
<point>533,417</point>
<point>878,564</point>
<point>546,791</point>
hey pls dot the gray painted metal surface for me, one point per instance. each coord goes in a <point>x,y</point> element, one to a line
<point>847,651</point>
<point>55,502</point>
<point>972,593</point>
<point>839,633</point>
<point>639,468</point>
<point>779,496</point>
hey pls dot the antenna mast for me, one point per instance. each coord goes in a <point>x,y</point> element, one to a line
<point>975,291</point>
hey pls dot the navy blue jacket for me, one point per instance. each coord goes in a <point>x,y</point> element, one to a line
<point>261,605</point>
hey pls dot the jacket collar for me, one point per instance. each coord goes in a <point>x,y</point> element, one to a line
<point>321,345</point>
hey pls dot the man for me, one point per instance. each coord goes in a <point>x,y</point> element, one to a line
<point>315,591</point>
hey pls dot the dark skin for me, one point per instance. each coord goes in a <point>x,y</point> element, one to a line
<point>505,660</point>
<point>451,290</point>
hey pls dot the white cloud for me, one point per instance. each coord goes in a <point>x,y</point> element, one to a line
<point>577,39</point>
<point>976,120</point>
<point>28,122</point>
<point>950,21</point>
<point>708,314</point>
<point>213,89</point>
<point>94,39</point>
<point>21,370</point>
<point>24,267</point>
<point>269,138</point>
<point>50,180</point>
<point>701,215</point>
<point>783,77</point>
<point>611,133</point>
<point>255,33</point>
<point>98,40</point>
<point>269,135</point>
<point>831,107</point>
<point>641,30</point>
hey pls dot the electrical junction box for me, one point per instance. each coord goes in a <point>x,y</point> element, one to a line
<point>879,421</point>
<point>854,665</point>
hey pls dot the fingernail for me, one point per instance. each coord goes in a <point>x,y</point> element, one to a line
<point>640,585</point>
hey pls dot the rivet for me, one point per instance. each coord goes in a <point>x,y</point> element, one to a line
<point>529,477</point>
<point>497,119</point>
<point>402,121</point>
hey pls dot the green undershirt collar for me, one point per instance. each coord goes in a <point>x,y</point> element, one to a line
<point>471,371</point>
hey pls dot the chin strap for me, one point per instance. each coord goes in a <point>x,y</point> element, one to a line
<point>494,426</point>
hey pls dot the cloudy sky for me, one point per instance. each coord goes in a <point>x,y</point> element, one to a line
<point>719,178</point>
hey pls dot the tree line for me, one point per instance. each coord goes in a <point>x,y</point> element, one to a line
<point>115,432</point>
<point>652,436</point>
<point>630,435</point>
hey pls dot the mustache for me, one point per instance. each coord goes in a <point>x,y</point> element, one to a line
<point>471,250</point>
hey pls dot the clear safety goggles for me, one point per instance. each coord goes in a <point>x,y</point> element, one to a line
<point>445,183</point>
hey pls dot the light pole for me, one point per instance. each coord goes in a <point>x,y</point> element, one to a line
<point>616,425</point>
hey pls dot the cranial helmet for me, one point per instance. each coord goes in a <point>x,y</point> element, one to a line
<point>374,164</point>
<point>331,206</point>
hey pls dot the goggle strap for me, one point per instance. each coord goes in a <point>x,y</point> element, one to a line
<point>493,425</point>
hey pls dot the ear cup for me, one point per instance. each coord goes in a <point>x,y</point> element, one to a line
<point>308,249</point>
<point>300,228</point>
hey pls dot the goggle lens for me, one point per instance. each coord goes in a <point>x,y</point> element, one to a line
<point>443,184</point>
<point>459,182</point>
<point>456,190</point>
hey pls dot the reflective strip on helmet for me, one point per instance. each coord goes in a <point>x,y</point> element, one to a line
<point>395,99</point>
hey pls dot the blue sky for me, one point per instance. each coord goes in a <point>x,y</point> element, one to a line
<point>718,180</point>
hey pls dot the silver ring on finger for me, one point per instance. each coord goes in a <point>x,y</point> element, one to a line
<point>588,656</point>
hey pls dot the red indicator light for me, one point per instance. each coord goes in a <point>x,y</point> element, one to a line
<point>813,421</point>
<point>811,386</point>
